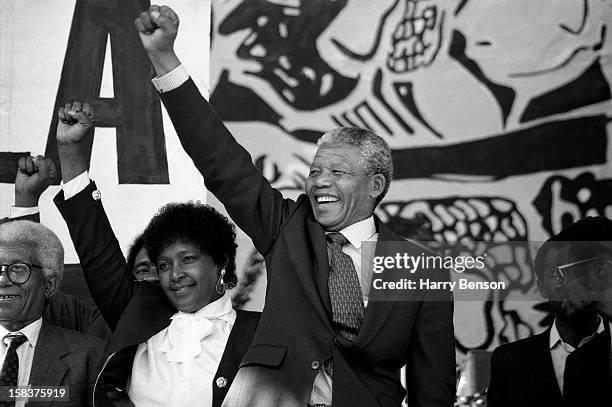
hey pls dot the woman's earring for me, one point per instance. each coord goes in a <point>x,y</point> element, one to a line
<point>220,286</point>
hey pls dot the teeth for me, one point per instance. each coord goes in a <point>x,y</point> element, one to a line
<point>323,199</point>
<point>8,296</point>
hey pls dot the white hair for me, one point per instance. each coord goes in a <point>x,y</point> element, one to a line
<point>45,245</point>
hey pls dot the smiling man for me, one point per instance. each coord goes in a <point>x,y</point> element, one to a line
<point>319,341</point>
<point>34,352</point>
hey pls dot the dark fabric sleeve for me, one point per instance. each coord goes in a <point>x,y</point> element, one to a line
<point>110,283</point>
<point>68,312</point>
<point>430,367</point>
<point>227,168</point>
<point>497,393</point>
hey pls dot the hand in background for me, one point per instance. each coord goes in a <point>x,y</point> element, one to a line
<point>34,175</point>
<point>75,130</point>
<point>157,28</point>
<point>75,122</point>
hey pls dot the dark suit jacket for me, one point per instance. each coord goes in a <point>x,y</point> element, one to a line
<point>295,333</point>
<point>522,374</point>
<point>134,311</point>
<point>66,358</point>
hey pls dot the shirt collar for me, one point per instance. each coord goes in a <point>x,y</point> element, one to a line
<point>556,338</point>
<point>360,231</point>
<point>30,331</point>
<point>219,309</point>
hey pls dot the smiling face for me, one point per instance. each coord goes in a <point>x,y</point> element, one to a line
<point>187,276</point>
<point>339,190</point>
<point>21,304</point>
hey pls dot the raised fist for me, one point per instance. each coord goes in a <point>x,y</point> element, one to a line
<point>34,175</point>
<point>157,28</point>
<point>75,122</point>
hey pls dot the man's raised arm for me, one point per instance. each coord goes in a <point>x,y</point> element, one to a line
<point>227,168</point>
<point>110,284</point>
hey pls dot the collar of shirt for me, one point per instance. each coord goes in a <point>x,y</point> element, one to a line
<point>555,338</point>
<point>219,309</point>
<point>31,332</point>
<point>359,231</point>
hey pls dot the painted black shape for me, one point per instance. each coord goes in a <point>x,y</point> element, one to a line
<point>8,166</point>
<point>406,96</point>
<point>503,94</point>
<point>376,44</point>
<point>367,106</point>
<point>376,90</point>
<point>586,193</point>
<point>460,6</point>
<point>136,110</point>
<point>589,88</point>
<point>238,103</point>
<point>549,146</point>
<point>585,14</point>
<point>290,62</point>
<point>310,136</point>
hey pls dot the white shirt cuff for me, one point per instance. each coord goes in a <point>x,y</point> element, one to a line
<point>18,211</point>
<point>75,185</point>
<point>171,80</point>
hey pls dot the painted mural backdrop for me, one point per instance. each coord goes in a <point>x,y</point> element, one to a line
<point>498,114</point>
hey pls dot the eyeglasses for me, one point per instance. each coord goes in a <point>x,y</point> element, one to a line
<point>597,265</point>
<point>18,273</point>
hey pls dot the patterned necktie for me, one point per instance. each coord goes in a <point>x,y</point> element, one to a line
<point>344,289</point>
<point>10,368</point>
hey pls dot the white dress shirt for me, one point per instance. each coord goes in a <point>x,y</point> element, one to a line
<point>25,352</point>
<point>176,367</point>
<point>356,234</point>
<point>559,350</point>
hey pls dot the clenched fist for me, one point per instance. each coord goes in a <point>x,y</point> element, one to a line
<point>157,28</point>
<point>34,175</point>
<point>75,122</point>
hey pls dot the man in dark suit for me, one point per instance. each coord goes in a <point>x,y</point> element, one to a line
<point>34,175</point>
<point>318,341</point>
<point>569,363</point>
<point>33,351</point>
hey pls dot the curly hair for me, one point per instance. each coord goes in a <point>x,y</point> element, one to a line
<point>197,224</point>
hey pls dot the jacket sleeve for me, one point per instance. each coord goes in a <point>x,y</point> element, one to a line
<point>430,367</point>
<point>227,168</point>
<point>110,284</point>
<point>497,393</point>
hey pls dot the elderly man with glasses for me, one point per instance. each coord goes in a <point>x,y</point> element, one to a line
<point>54,364</point>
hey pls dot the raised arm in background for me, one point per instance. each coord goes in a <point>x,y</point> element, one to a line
<point>110,283</point>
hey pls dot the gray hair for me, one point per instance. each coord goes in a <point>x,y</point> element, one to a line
<point>45,244</point>
<point>374,150</point>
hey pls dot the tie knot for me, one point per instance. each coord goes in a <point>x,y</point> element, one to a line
<point>337,237</point>
<point>14,340</point>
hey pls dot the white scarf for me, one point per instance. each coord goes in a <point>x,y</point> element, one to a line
<point>182,341</point>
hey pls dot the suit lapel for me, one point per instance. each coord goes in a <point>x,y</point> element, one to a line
<point>48,368</point>
<point>546,371</point>
<point>377,312</point>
